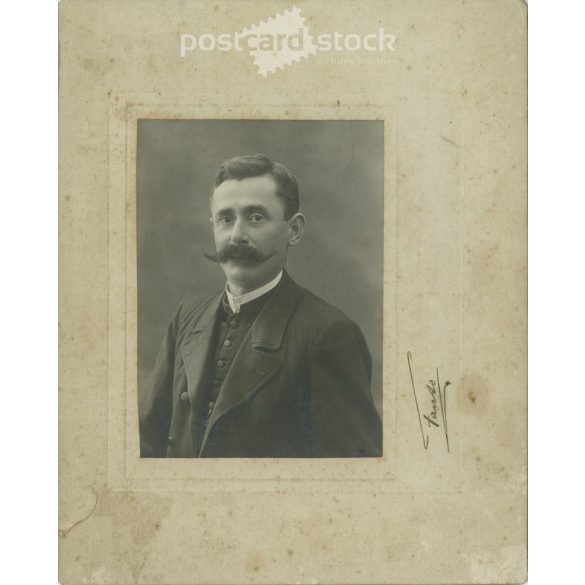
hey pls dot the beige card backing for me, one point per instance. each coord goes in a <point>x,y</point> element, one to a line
<point>452,97</point>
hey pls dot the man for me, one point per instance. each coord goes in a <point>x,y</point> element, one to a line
<point>263,368</point>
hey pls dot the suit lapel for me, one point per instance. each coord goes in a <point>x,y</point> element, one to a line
<point>257,359</point>
<point>198,345</point>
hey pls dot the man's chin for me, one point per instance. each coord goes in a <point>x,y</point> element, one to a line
<point>249,276</point>
<point>237,270</point>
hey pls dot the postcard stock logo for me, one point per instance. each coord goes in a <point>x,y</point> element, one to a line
<point>283,40</point>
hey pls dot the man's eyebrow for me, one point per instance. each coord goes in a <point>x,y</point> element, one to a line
<point>225,211</point>
<point>255,209</point>
<point>247,210</point>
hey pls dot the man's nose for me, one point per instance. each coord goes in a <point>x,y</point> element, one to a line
<point>239,234</point>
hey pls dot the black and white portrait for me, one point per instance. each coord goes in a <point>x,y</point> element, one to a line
<point>259,248</point>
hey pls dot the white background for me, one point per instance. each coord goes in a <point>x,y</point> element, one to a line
<point>28,285</point>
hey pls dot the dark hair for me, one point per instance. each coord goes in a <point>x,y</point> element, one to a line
<point>257,165</point>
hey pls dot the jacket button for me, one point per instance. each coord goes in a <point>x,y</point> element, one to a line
<point>185,397</point>
<point>220,364</point>
<point>233,324</point>
<point>228,343</point>
<point>171,441</point>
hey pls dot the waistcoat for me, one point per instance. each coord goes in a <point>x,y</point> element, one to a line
<point>230,331</point>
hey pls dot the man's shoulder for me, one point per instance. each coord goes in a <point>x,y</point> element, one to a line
<point>194,303</point>
<point>323,325</point>
<point>195,300</point>
<point>320,313</point>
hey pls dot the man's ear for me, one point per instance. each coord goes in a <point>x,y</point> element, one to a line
<point>296,227</point>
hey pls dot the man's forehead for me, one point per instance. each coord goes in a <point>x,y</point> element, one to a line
<point>245,191</point>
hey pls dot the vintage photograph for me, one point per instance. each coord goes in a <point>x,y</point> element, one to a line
<point>292,292</point>
<point>260,281</point>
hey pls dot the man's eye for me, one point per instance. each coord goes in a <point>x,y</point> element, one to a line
<point>224,219</point>
<point>257,218</point>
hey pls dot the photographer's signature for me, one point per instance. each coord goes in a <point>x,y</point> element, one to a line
<point>436,416</point>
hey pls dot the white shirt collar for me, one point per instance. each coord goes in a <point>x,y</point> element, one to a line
<point>236,301</point>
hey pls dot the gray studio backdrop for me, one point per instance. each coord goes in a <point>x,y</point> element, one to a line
<point>339,167</point>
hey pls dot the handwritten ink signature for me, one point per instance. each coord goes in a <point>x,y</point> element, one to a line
<point>436,391</point>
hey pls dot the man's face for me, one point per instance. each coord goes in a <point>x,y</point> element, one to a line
<point>248,220</point>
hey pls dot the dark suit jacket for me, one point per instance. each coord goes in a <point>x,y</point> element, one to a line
<point>299,385</point>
